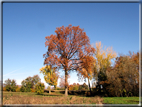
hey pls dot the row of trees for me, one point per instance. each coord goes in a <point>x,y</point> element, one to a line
<point>122,79</point>
<point>30,84</point>
<point>10,85</point>
<point>77,86</point>
<point>70,50</point>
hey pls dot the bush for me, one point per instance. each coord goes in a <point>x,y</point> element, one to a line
<point>39,88</point>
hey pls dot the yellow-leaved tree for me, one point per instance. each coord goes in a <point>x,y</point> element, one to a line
<point>103,61</point>
<point>50,75</point>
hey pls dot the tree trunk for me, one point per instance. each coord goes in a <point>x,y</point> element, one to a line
<point>89,86</point>
<point>49,89</point>
<point>66,87</point>
<point>55,87</point>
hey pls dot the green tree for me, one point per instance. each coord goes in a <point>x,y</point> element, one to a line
<point>29,83</point>
<point>13,86</point>
<point>7,84</point>
<point>10,85</point>
<point>39,88</point>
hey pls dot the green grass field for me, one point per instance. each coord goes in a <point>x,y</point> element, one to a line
<point>120,100</point>
<point>58,98</point>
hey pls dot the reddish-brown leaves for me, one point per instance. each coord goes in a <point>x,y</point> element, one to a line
<point>67,48</point>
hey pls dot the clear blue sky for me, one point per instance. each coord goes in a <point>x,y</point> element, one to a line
<point>25,26</point>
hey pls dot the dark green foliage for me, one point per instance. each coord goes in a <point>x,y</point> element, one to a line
<point>29,83</point>
<point>26,86</point>
<point>13,86</point>
<point>7,85</point>
<point>10,85</point>
<point>39,88</point>
<point>23,89</point>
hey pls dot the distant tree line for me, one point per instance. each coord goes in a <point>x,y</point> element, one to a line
<point>30,84</point>
<point>122,79</point>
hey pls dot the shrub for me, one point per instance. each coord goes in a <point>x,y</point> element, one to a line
<point>39,88</point>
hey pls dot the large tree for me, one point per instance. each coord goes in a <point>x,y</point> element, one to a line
<point>66,48</point>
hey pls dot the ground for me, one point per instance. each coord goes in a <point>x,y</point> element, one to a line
<point>58,98</point>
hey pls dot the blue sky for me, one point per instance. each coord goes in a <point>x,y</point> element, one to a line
<point>25,26</point>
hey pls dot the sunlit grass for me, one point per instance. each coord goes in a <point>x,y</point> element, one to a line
<point>59,98</point>
<point>46,98</point>
<point>120,100</point>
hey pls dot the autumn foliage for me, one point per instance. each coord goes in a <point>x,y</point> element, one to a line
<point>39,88</point>
<point>67,48</point>
<point>50,75</point>
<point>125,75</point>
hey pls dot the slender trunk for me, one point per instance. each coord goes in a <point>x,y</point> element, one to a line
<point>49,89</point>
<point>66,87</point>
<point>89,86</point>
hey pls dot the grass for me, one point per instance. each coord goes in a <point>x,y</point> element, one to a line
<point>58,98</point>
<point>46,98</point>
<point>120,100</point>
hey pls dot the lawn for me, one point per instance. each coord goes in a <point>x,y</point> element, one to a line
<point>120,100</point>
<point>58,98</point>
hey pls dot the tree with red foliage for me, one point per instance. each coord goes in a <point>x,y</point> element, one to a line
<point>66,49</point>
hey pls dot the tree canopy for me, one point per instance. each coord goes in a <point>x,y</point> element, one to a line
<point>50,75</point>
<point>67,48</point>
